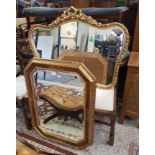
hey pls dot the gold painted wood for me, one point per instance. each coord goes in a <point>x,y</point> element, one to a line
<point>73,14</point>
<point>88,103</point>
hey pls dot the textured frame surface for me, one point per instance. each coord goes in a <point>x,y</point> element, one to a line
<point>90,90</point>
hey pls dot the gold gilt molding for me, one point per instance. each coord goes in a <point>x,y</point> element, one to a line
<point>73,14</point>
<point>89,98</point>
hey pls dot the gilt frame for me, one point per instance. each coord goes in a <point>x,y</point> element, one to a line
<point>90,90</point>
<point>73,14</point>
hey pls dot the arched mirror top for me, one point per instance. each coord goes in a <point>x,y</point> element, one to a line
<point>74,31</point>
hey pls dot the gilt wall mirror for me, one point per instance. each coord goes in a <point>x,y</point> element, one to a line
<point>76,32</point>
<point>61,110</point>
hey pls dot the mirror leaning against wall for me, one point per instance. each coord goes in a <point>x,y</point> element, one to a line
<point>75,32</point>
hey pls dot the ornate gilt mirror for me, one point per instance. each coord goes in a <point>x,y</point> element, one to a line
<point>62,109</point>
<point>73,31</point>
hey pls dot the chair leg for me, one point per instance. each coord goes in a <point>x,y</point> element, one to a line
<point>112,131</point>
<point>24,106</point>
<point>27,119</point>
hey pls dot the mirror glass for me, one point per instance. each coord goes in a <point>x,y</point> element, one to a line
<point>77,36</point>
<point>59,104</point>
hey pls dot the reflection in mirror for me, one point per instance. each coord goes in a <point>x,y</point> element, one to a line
<point>79,36</point>
<point>59,103</point>
<point>46,42</point>
<point>109,43</point>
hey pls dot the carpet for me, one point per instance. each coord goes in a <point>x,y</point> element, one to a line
<point>42,145</point>
<point>124,136</point>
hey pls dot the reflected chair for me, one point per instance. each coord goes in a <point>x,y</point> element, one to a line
<point>105,103</point>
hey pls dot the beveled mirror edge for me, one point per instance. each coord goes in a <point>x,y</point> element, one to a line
<point>73,14</point>
<point>91,99</point>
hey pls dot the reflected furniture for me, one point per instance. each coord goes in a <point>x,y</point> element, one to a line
<point>130,106</point>
<point>63,102</point>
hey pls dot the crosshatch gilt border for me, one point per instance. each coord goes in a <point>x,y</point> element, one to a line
<point>73,14</point>
<point>90,90</point>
